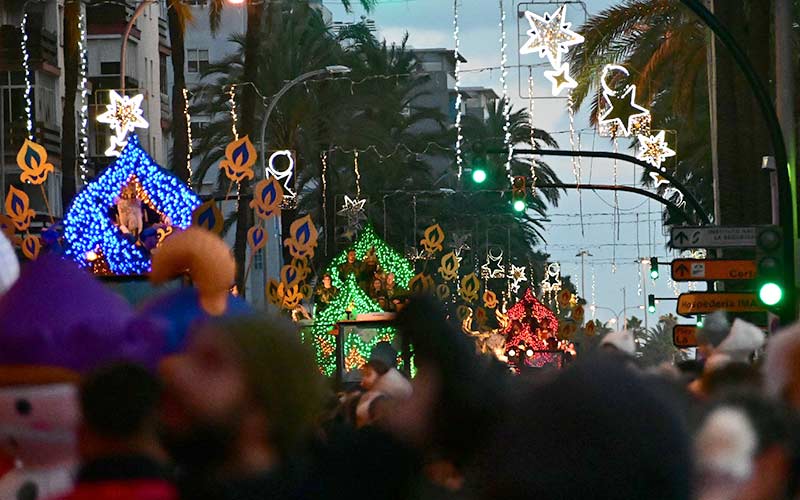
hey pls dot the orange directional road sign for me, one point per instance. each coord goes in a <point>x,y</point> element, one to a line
<point>684,336</point>
<point>711,270</point>
<point>691,304</point>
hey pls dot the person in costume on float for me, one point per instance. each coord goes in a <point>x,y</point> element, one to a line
<point>392,288</point>
<point>351,266</point>
<point>369,270</point>
<point>130,212</point>
<point>325,292</point>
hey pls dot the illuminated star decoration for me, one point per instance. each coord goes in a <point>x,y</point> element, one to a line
<point>487,271</point>
<point>550,36</point>
<point>517,276</point>
<point>560,79</point>
<point>654,149</point>
<point>622,114</point>
<point>622,110</point>
<point>123,114</point>
<point>353,209</point>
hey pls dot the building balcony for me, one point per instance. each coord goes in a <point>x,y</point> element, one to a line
<point>110,19</point>
<point>42,47</point>
<point>48,136</point>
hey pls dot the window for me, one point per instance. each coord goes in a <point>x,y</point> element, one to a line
<point>109,68</point>
<point>197,60</point>
<point>201,3</point>
<point>432,66</point>
<point>162,72</point>
<point>198,130</point>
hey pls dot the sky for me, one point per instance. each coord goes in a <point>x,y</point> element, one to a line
<point>609,287</point>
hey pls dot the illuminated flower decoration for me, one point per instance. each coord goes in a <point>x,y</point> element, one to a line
<point>267,198</point>
<point>589,329</point>
<point>654,149</point>
<point>18,208</point>
<point>274,292</point>
<point>256,238</point>
<point>433,239</point>
<point>208,216</point>
<point>291,296</point>
<point>240,156</point>
<point>7,227</point>
<point>442,292</point>
<point>550,36</point>
<point>88,227</point>
<point>123,114</point>
<point>470,285</point>
<point>302,238</point>
<point>32,160</point>
<point>163,233</point>
<point>449,268</point>
<point>421,284</point>
<point>463,312</point>
<point>517,276</point>
<point>31,246</point>
<point>490,299</point>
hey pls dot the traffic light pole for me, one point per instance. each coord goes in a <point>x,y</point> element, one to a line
<point>787,191</point>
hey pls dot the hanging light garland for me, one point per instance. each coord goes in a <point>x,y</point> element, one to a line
<point>188,133</point>
<point>505,97</point>
<point>27,70</point>
<point>530,123</point>
<point>324,160</point>
<point>459,136</point>
<point>84,108</point>
<point>576,164</point>
<point>232,102</point>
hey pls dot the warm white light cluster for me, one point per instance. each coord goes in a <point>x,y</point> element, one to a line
<point>517,276</point>
<point>550,37</point>
<point>457,88</point>
<point>83,136</point>
<point>622,115</point>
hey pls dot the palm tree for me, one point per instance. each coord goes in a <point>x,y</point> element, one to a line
<point>663,45</point>
<point>656,346</point>
<point>69,146</point>
<point>249,101</point>
<point>179,16</point>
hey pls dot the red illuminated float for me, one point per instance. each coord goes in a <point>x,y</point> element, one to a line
<point>532,333</point>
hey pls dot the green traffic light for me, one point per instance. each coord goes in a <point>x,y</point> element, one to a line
<point>700,322</point>
<point>651,309</point>
<point>654,274</point>
<point>770,293</point>
<point>519,205</point>
<point>479,175</point>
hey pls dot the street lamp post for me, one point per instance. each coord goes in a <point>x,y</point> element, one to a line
<point>124,48</point>
<point>274,243</point>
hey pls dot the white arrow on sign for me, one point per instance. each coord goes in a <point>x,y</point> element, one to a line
<point>713,236</point>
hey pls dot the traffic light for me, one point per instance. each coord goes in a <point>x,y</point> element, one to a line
<point>654,268</point>
<point>519,195</point>
<point>478,175</point>
<point>700,321</point>
<point>651,303</point>
<point>769,265</point>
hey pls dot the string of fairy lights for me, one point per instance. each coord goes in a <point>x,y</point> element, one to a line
<point>505,97</point>
<point>457,89</point>
<point>188,119</point>
<point>27,73</point>
<point>84,107</point>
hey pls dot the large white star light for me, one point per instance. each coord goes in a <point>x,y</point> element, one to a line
<point>653,149</point>
<point>123,114</point>
<point>550,36</point>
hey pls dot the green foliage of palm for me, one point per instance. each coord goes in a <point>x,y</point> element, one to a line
<point>663,46</point>
<point>655,345</point>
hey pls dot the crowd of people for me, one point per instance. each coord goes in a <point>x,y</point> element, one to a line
<point>379,285</point>
<point>244,414</point>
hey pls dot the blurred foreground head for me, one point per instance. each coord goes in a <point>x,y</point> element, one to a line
<point>597,430</point>
<point>782,366</point>
<point>244,387</point>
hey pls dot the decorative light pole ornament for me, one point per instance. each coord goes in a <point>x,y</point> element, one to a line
<point>123,114</point>
<point>653,149</point>
<point>621,113</point>
<point>286,175</point>
<point>550,36</point>
<point>353,210</point>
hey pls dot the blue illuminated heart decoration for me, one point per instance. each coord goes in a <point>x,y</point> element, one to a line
<point>89,230</point>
